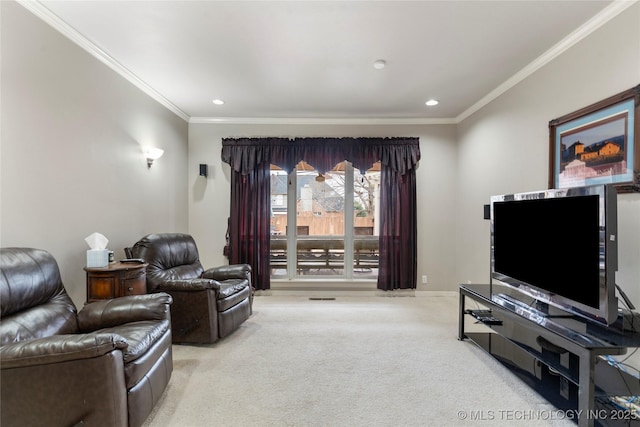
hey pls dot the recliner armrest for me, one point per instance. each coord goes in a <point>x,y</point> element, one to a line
<point>118,311</point>
<point>233,271</point>
<point>59,348</point>
<point>188,285</point>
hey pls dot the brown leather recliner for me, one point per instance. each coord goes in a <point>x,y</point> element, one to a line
<point>207,305</point>
<point>105,365</point>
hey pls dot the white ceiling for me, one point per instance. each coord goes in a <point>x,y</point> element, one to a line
<point>313,60</point>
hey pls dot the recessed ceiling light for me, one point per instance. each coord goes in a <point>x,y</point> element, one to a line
<point>432,102</point>
<point>379,64</point>
<point>218,101</point>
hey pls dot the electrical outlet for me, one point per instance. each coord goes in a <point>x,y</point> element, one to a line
<point>424,278</point>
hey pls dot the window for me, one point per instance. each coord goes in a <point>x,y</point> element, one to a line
<point>324,224</point>
<point>250,228</point>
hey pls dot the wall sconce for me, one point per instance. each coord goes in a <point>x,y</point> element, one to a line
<point>152,153</point>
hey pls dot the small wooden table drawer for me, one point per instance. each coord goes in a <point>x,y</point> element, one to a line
<point>116,280</point>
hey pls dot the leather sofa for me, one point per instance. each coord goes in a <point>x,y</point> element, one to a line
<point>207,304</point>
<point>106,365</point>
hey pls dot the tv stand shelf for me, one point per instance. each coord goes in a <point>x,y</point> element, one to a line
<point>559,355</point>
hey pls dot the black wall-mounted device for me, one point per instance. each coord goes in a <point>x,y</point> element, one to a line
<point>203,170</point>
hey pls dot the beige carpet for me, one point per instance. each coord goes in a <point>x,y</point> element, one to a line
<point>353,361</point>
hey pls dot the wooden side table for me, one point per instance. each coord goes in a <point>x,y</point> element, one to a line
<point>118,279</point>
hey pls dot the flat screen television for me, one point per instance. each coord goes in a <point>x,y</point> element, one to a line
<point>560,247</point>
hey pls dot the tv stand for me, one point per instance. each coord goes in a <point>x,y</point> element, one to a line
<point>562,357</point>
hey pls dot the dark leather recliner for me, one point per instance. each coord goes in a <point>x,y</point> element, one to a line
<point>108,364</point>
<point>207,305</point>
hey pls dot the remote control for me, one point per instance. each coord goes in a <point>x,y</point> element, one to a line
<point>133,260</point>
<point>485,317</point>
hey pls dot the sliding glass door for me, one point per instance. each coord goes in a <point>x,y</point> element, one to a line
<point>324,224</point>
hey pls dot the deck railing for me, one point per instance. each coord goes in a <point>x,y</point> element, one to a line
<point>325,253</point>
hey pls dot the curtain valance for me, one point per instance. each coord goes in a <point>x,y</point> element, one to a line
<point>245,154</point>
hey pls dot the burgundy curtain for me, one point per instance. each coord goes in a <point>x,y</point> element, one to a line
<point>398,243</point>
<point>249,227</point>
<point>249,230</point>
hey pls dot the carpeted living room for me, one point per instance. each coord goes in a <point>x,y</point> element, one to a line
<point>356,361</point>
<point>346,169</point>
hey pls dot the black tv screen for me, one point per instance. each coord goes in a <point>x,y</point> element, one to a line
<point>560,247</point>
<point>552,244</point>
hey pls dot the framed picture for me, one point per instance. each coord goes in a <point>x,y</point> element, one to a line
<point>598,144</point>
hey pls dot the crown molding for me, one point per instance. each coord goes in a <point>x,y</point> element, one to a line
<point>319,121</point>
<point>608,13</point>
<point>52,19</point>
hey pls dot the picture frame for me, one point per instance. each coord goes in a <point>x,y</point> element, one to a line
<point>598,144</point>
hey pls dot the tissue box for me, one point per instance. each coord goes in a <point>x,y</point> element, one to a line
<point>97,257</point>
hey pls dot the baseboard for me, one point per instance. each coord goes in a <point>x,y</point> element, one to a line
<point>328,293</point>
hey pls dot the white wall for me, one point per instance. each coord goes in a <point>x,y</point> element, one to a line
<point>436,177</point>
<point>71,164</point>
<point>504,148</point>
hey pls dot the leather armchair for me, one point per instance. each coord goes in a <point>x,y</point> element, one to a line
<point>207,304</point>
<point>108,364</point>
